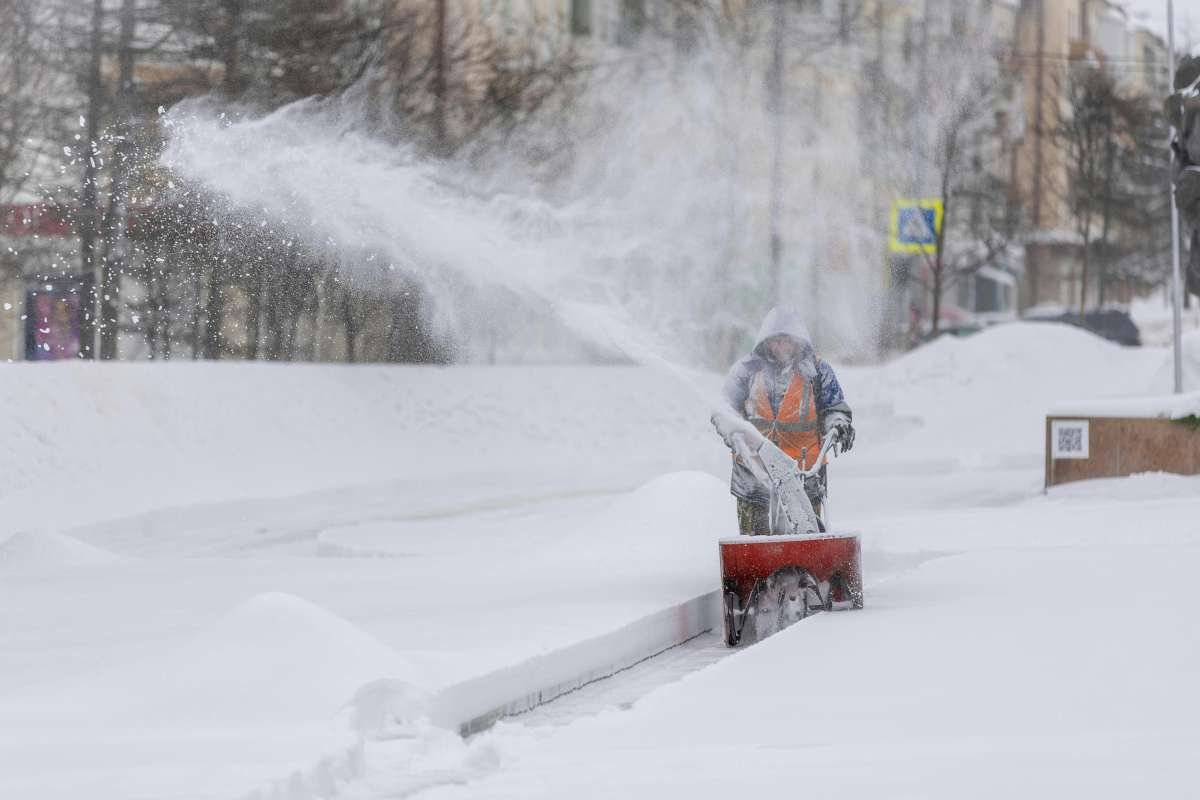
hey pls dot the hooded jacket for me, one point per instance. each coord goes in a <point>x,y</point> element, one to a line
<point>830,402</point>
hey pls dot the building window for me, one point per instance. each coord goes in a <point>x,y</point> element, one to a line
<point>958,21</point>
<point>632,21</point>
<point>581,17</point>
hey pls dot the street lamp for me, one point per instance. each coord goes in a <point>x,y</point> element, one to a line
<point>1176,282</point>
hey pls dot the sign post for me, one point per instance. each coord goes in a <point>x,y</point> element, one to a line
<point>915,226</point>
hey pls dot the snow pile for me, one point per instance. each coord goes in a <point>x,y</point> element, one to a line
<point>986,396</point>
<point>275,659</point>
<point>1164,377</point>
<point>223,679</point>
<point>261,693</point>
<point>1145,486</point>
<point>1154,318</point>
<point>133,437</point>
<point>671,514</point>
<point>386,708</point>
<point>49,550</point>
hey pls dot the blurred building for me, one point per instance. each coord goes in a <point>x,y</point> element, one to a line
<point>1053,38</point>
<point>923,40</point>
<point>858,86</point>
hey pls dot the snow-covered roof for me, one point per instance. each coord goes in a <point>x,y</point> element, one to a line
<point>1057,236</point>
<point>1172,406</point>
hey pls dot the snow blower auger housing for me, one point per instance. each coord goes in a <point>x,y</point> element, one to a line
<point>769,582</point>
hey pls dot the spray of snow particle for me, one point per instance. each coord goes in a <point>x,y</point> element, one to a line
<point>649,240</point>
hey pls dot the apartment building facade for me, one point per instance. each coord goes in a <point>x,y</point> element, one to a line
<point>1055,37</point>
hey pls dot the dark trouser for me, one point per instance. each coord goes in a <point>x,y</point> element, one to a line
<point>754,518</point>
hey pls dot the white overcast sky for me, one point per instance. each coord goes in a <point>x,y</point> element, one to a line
<point>1153,14</point>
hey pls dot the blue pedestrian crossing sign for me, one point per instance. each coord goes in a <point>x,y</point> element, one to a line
<point>915,226</point>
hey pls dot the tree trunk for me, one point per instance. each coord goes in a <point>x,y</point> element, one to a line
<point>214,308</point>
<point>937,294</point>
<point>1106,203</point>
<point>351,326</point>
<point>254,311</point>
<point>89,212</point>
<point>116,245</point>
<point>274,343</point>
<point>318,319</point>
<point>439,78</point>
<point>197,330</point>
<point>1083,274</point>
<point>939,240</point>
<point>229,47</point>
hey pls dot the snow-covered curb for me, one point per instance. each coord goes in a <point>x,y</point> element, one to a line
<point>385,710</point>
<point>475,705</point>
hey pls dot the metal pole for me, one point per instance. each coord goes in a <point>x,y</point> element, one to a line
<point>1176,282</point>
<point>775,102</point>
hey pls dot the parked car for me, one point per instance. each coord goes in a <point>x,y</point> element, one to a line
<point>1113,324</point>
<point>957,331</point>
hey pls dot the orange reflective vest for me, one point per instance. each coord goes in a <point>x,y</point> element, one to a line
<point>796,428</point>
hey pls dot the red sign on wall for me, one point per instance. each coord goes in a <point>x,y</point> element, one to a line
<point>52,330</point>
<point>35,219</point>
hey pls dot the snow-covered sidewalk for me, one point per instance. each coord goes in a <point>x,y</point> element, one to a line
<point>217,579</point>
<point>1043,650</point>
<point>198,617</point>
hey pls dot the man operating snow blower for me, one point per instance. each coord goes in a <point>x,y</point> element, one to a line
<point>792,397</point>
<point>786,414</point>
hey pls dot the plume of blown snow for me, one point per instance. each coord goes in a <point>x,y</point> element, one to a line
<point>655,209</point>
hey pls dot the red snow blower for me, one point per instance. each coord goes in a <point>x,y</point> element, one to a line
<point>770,582</point>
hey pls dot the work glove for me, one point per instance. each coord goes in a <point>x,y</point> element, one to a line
<point>844,432</point>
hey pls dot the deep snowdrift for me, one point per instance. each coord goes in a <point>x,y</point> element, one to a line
<point>125,438</point>
<point>180,627</point>
<point>32,550</point>
<point>983,399</point>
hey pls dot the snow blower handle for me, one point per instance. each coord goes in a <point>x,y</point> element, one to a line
<point>773,469</point>
<point>744,441</point>
<point>830,440</point>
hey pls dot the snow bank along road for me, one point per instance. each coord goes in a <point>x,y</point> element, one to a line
<point>212,615</point>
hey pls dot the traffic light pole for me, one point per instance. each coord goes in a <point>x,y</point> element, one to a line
<point>1176,282</point>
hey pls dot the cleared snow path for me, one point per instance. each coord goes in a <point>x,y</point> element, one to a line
<point>622,690</point>
<point>210,645</point>
<point>1052,655</point>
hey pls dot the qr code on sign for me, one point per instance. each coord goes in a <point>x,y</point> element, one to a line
<point>1069,439</point>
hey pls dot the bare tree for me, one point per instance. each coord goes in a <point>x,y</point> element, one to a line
<point>1098,136</point>
<point>450,79</point>
<point>26,80</point>
<point>959,143</point>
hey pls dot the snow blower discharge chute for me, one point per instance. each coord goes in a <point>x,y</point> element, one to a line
<point>770,582</point>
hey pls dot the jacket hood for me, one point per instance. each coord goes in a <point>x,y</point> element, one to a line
<point>781,320</point>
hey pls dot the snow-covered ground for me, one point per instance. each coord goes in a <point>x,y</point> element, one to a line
<point>1155,318</point>
<point>217,579</point>
<point>189,597</point>
<point>1043,649</point>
